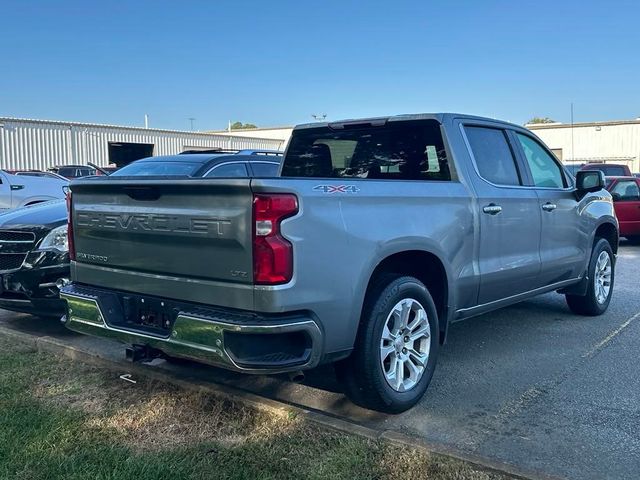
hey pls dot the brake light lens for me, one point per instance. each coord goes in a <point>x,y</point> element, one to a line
<point>72,248</point>
<point>272,253</point>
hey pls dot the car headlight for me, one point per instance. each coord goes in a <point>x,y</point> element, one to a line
<point>56,239</point>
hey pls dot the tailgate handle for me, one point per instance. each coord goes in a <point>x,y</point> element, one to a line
<point>143,193</point>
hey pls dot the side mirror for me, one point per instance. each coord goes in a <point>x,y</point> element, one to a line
<point>589,181</point>
<point>616,197</point>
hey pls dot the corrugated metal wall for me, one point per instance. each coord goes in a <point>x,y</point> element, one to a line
<point>617,143</point>
<point>35,144</point>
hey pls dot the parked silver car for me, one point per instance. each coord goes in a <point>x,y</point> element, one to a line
<point>20,191</point>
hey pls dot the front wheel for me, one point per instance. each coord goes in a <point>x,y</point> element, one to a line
<point>396,348</point>
<point>601,275</point>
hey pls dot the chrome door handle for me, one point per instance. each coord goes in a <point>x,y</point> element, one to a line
<point>549,207</point>
<point>492,209</point>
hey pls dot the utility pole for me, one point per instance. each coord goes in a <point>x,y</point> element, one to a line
<point>573,154</point>
<point>191,120</point>
<point>146,121</point>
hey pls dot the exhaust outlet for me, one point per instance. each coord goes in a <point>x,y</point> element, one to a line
<point>296,377</point>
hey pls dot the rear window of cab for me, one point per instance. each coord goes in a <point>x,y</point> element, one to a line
<point>406,150</point>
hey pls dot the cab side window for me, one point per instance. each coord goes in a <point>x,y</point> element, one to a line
<point>544,168</point>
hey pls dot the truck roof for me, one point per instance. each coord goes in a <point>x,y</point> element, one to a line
<point>439,117</point>
<point>209,157</point>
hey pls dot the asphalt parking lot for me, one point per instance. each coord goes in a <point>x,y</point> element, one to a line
<point>531,385</point>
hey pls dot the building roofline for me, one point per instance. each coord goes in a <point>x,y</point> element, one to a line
<point>545,126</point>
<point>257,129</point>
<point>122,127</point>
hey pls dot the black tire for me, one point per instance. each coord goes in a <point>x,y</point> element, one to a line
<point>362,373</point>
<point>633,240</point>
<point>588,304</point>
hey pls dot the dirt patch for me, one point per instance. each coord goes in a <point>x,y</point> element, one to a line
<point>152,415</point>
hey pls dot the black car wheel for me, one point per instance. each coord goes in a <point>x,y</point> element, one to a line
<point>601,275</point>
<point>396,348</point>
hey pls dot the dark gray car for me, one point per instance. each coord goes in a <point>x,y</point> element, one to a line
<point>378,234</point>
<point>34,259</point>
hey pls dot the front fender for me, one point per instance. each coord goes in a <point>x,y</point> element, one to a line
<point>596,211</point>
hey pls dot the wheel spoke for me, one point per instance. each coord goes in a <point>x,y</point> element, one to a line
<point>385,351</point>
<point>391,372</point>
<point>414,370</point>
<point>423,331</point>
<point>418,358</point>
<point>404,316</point>
<point>396,314</point>
<point>419,318</point>
<point>386,334</point>
<point>399,374</point>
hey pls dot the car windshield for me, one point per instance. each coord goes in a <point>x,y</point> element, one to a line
<point>135,169</point>
<point>611,170</point>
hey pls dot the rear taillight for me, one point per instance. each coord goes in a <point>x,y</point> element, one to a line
<point>272,253</point>
<point>72,248</point>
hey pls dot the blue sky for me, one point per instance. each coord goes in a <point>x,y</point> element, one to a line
<point>278,62</point>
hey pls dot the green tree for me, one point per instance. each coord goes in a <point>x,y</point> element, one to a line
<point>541,120</point>
<point>240,125</point>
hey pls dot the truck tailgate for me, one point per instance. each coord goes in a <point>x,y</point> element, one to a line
<point>177,238</point>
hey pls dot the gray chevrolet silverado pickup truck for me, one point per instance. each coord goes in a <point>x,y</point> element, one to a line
<point>377,235</point>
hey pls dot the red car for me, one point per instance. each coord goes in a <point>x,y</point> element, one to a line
<point>609,169</point>
<point>626,201</point>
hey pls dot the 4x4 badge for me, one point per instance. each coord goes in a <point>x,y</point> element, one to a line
<point>336,188</point>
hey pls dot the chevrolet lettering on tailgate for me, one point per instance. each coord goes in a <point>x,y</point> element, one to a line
<point>212,226</point>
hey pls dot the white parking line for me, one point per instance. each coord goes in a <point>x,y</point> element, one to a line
<point>597,347</point>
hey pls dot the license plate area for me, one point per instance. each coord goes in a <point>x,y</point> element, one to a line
<point>148,314</point>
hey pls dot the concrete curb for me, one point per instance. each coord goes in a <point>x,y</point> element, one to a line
<point>57,347</point>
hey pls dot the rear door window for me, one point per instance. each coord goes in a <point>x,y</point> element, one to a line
<point>493,156</point>
<point>404,150</point>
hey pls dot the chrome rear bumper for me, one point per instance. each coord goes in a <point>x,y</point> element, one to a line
<point>199,337</point>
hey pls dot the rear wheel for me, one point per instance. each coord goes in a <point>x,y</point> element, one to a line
<point>601,276</point>
<point>396,349</point>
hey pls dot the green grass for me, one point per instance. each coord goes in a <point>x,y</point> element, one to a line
<point>63,419</point>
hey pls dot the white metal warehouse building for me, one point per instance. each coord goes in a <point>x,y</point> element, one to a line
<point>608,142</point>
<point>39,144</point>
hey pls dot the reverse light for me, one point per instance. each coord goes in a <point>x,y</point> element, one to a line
<point>70,245</point>
<point>272,253</point>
